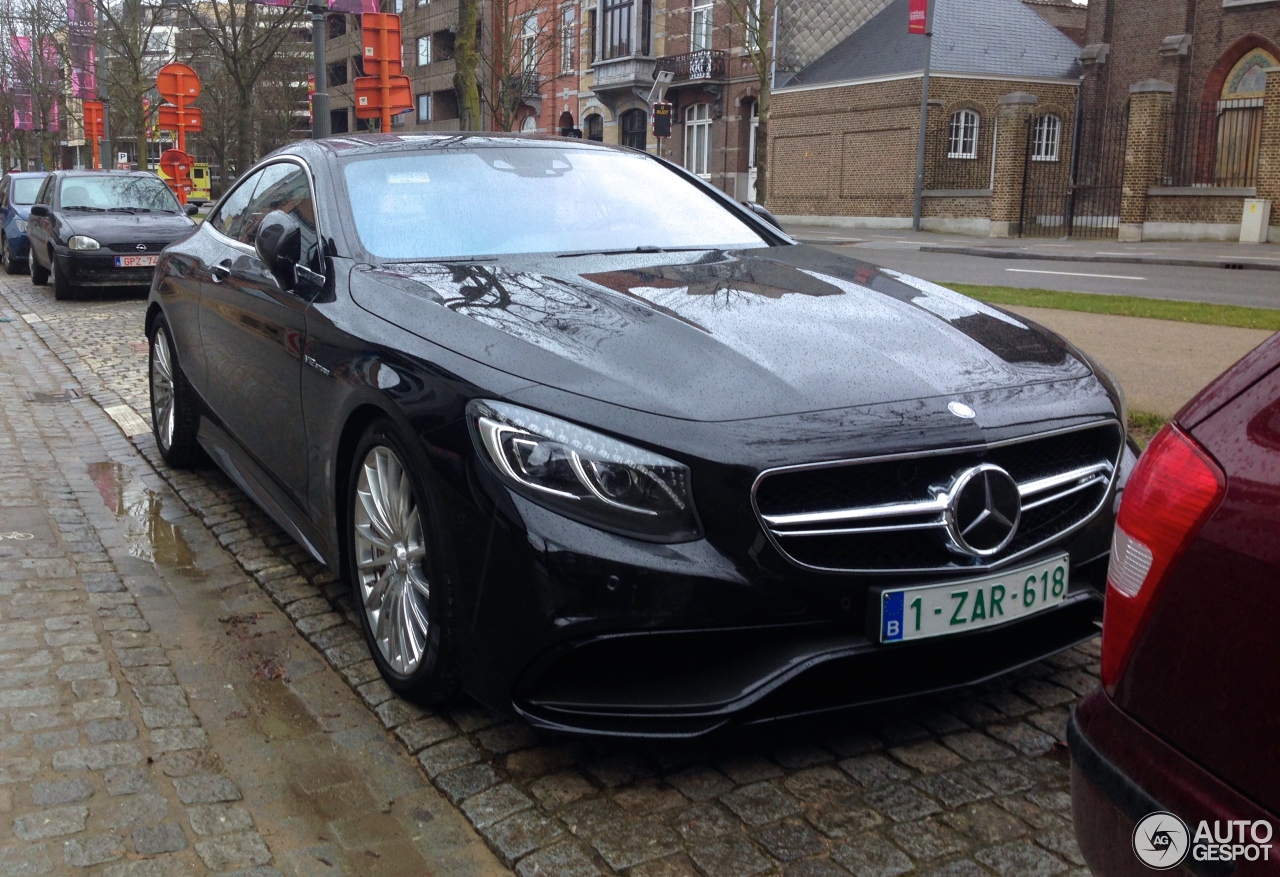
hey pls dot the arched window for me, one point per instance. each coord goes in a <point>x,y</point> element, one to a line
<point>595,127</point>
<point>565,124</point>
<point>529,125</point>
<point>697,139</point>
<point>1047,136</point>
<point>1239,125</point>
<point>634,129</point>
<point>963,142</point>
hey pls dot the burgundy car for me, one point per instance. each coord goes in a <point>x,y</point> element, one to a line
<point>1176,762</point>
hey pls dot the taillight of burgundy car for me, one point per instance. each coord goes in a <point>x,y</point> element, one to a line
<point>1172,492</point>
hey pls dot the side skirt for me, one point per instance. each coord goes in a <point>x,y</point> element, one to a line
<point>250,478</point>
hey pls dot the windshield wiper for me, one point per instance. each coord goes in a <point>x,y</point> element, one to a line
<point>86,207</point>
<point>129,209</point>
<point>623,251</point>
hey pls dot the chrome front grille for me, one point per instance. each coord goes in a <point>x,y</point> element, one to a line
<point>152,247</point>
<point>890,515</point>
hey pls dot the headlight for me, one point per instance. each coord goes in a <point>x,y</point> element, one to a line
<point>22,226</point>
<point>585,475</point>
<point>80,242</point>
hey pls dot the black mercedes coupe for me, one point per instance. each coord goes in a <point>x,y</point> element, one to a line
<point>607,450</point>
<point>92,228</point>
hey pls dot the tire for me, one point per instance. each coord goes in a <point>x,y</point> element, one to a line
<point>39,275</point>
<point>397,570</point>
<point>62,288</point>
<point>11,265</point>
<point>174,414</point>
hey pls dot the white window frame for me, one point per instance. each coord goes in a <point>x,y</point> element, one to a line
<point>697,140</point>
<point>702,19</point>
<point>424,50</point>
<point>751,137</point>
<point>962,137</point>
<point>1047,139</point>
<point>568,18</point>
<point>424,102</point>
<point>529,46</point>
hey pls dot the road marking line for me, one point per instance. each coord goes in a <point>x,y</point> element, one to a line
<point>33,318</point>
<point>1074,274</point>
<point>128,420</point>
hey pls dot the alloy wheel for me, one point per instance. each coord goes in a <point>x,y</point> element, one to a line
<point>162,388</point>
<point>389,550</point>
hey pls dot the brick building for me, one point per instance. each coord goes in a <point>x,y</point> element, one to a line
<point>844,129</point>
<point>1207,63</point>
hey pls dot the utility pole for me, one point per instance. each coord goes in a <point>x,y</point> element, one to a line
<point>924,114</point>
<point>320,97</point>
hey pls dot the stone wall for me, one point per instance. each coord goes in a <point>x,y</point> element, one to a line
<point>850,151</point>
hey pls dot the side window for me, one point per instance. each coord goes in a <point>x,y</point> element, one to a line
<point>4,193</point>
<point>268,178</point>
<point>289,193</point>
<point>230,214</point>
<point>46,192</point>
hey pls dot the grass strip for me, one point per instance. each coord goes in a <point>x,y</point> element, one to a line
<point>1143,427</point>
<point>1127,306</point>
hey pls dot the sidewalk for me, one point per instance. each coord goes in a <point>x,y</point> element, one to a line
<point>1160,364</point>
<point>1199,254</point>
<point>159,715</point>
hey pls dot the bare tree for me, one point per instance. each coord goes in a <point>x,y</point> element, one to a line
<point>246,37</point>
<point>137,44</point>
<point>466,56</point>
<point>521,38</point>
<point>32,41</point>
<point>217,137</point>
<point>756,18</point>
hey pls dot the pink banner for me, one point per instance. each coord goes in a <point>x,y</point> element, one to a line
<point>80,48</point>
<point>918,16</point>
<point>32,76</point>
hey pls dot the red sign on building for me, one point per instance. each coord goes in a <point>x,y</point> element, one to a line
<point>918,16</point>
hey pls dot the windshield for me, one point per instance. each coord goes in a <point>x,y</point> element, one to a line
<point>504,200</point>
<point>24,189</point>
<point>125,194</point>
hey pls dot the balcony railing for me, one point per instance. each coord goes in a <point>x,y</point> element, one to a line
<point>703,64</point>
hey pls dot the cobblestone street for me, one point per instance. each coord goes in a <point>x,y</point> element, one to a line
<point>128,750</point>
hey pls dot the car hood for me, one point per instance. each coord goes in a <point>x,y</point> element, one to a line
<point>126,228</point>
<point>715,335</point>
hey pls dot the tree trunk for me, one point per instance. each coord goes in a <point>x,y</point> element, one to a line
<point>244,131</point>
<point>466,57</point>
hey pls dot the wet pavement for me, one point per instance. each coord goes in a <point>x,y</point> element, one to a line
<point>326,761</point>
<point>159,714</point>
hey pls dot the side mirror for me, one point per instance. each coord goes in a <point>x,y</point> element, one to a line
<point>191,210</point>
<point>279,246</point>
<point>41,210</point>
<point>763,214</point>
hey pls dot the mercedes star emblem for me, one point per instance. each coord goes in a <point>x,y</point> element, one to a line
<point>983,510</point>
<point>959,409</point>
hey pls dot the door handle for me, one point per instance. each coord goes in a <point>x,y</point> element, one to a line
<point>219,273</point>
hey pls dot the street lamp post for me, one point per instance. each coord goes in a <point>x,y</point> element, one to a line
<point>924,116</point>
<point>320,97</point>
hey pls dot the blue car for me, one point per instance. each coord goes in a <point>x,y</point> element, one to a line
<point>17,194</point>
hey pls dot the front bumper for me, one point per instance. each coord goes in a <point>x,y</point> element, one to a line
<point>1122,772</point>
<point>603,635</point>
<point>97,268</point>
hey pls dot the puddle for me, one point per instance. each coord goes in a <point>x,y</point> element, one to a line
<point>148,535</point>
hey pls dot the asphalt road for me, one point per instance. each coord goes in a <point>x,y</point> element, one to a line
<point>1259,289</point>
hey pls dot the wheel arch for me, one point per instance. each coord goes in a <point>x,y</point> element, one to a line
<point>357,422</point>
